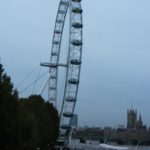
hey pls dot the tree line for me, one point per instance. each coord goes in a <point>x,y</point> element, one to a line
<point>25,123</point>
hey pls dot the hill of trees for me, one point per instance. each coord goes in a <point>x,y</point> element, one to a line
<point>25,123</point>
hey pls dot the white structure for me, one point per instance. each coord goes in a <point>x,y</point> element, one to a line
<point>72,64</point>
<point>112,147</point>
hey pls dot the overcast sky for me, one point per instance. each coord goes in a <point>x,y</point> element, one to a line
<point>115,72</point>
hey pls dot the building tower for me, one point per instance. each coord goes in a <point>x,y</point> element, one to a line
<point>131,118</point>
<point>140,122</point>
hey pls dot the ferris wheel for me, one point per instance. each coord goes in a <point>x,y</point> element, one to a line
<point>73,62</point>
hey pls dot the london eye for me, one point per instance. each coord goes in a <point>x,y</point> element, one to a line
<point>72,65</point>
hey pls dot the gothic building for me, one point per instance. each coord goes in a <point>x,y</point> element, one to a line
<point>132,121</point>
<point>131,118</point>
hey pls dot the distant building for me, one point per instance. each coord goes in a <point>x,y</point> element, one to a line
<point>121,128</point>
<point>131,118</point>
<point>135,133</point>
<point>132,121</point>
<point>74,121</point>
<point>139,122</point>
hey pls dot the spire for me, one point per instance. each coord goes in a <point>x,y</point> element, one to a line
<point>140,117</point>
<point>140,122</point>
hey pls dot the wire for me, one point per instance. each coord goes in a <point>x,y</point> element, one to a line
<point>34,82</point>
<point>34,86</point>
<point>26,77</point>
<point>45,85</point>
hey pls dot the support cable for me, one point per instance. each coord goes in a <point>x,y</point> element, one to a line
<point>22,91</point>
<point>47,82</point>
<point>26,77</point>
<point>34,86</point>
<point>45,85</point>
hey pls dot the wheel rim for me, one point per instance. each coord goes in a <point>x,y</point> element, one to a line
<point>73,65</point>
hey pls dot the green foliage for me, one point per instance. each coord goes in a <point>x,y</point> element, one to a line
<point>25,123</point>
<point>8,112</point>
<point>38,122</point>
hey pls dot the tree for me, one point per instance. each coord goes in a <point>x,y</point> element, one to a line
<point>38,123</point>
<point>25,123</point>
<point>8,112</point>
